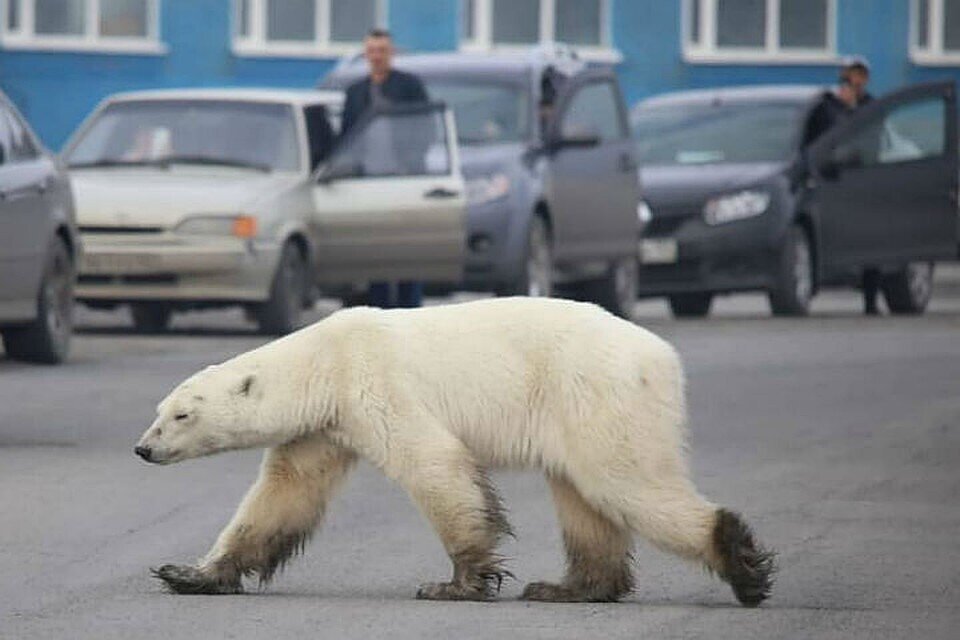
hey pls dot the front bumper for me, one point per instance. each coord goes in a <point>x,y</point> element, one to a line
<point>166,266</point>
<point>737,256</point>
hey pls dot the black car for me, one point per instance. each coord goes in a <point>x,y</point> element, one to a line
<point>549,167</point>
<point>735,202</point>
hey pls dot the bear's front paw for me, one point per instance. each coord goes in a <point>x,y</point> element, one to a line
<point>453,591</point>
<point>550,592</point>
<point>189,580</point>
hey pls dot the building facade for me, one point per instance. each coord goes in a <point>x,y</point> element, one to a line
<point>58,58</point>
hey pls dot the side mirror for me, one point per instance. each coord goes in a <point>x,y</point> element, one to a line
<point>339,170</point>
<point>574,141</point>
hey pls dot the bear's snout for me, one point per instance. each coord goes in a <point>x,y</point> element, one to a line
<point>143,452</point>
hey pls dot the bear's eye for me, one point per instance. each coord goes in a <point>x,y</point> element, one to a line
<point>181,416</point>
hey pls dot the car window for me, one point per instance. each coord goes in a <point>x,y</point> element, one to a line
<point>15,142</point>
<point>908,132</point>
<point>235,132</point>
<point>486,111</point>
<point>404,143</point>
<point>320,136</point>
<point>593,111</point>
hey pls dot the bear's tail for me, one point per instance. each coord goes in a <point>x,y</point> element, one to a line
<point>746,565</point>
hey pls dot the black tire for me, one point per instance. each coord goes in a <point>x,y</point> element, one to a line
<point>150,317</point>
<point>360,299</point>
<point>793,286</point>
<point>536,278</point>
<point>909,290</point>
<point>46,340</point>
<point>690,305</point>
<point>280,314</point>
<point>616,291</point>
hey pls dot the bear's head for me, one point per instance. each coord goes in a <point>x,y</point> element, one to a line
<point>217,409</point>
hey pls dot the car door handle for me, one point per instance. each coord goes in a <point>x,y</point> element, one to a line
<point>441,193</point>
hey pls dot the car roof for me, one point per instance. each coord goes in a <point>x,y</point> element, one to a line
<point>799,93</point>
<point>296,97</point>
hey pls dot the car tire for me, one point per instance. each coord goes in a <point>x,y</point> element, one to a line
<point>46,340</point>
<point>150,317</point>
<point>280,314</point>
<point>793,286</point>
<point>536,278</point>
<point>909,290</point>
<point>616,291</point>
<point>690,305</point>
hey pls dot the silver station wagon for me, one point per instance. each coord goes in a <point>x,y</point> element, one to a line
<point>191,199</point>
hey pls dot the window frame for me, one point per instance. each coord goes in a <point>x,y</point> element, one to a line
<point>483,32</point>
<point>706,50</point>
<point>256,44</point>
<point>934,54</point>
<point>90,41</point>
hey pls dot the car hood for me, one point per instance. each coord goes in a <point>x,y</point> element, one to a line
<point>672,186</point>
<point>478,160</point>
<point>147,197</point>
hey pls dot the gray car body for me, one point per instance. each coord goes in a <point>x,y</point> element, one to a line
<point>502,225</point>
<point>36,206</point>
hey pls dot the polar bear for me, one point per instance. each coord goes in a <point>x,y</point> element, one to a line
<point>434,398</point>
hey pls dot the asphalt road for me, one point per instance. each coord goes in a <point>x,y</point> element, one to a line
<point>838,437</point>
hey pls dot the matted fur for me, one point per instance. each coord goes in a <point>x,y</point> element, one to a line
<point>434,397</point>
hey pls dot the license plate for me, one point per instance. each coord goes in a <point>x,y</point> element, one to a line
<point>118,263</point>
<point>658,251</point>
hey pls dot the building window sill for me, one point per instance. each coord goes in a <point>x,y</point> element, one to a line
<point>331,51</point>
<point>119,46</point>
<point>760,56</point>
<point>931,59</point>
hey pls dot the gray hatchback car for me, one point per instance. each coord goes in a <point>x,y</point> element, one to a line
<point>38,245</point>
<point>552,190</point>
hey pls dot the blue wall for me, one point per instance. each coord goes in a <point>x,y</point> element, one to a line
<point>56,90</point>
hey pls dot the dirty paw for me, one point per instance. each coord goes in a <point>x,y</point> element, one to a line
<point>185,579</point>
<point>550,592</point>
<point>452,591</point>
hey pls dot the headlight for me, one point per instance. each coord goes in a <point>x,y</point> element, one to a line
<point>236,226</point>
<point>644,213</point>
<point>487,188</point>
<point>737,206</point>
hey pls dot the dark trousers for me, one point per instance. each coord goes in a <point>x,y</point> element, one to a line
<point>400,295</point>
<point>871,289</point>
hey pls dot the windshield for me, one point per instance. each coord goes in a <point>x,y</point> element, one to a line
<point>712,133</point>
<point>243,134</point>
<point>486,112</point>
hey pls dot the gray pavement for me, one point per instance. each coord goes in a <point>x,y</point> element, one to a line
<point>838,436</point>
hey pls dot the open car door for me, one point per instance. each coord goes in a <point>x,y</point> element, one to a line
<point>389,204</point>
<point>886,181</point>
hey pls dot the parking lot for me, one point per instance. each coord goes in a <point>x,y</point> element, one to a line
<point>837,436</point>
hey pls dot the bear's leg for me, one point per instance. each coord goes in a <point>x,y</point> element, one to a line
<point>598,553</point>
<point>274,520</point>
<point>466,512</point>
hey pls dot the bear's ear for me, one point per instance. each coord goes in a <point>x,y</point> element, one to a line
<point>245,385</point>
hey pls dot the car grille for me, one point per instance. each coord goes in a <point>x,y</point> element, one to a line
<point>120,230</point>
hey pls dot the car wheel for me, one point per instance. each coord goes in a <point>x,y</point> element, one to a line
<point>910,289</point>
<point>690,305</point>
<point>150,317</point>
<point>536,279</point>
<point>280,314</point>
<point>794,283</point>
<point>47,339</point>
<point>616,291</point>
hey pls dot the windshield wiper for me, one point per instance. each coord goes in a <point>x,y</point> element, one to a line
<point>215,160</point>
<point>115,162</point>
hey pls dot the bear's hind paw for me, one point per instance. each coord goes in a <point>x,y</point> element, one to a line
<point>453,591</point>
<point>187,580</point>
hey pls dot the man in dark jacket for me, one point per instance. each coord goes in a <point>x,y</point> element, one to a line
<point>382,87</point>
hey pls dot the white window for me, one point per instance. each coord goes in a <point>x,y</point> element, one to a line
<point>121,26</point>
<point>504,24</point>
<point>304,27</point>
<point>750,31</point>
<point>935,32</point>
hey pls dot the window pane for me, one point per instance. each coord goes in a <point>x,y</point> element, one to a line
<point>803,24</point>
<point>951,24</point>
<point>291,19</point>
<point>923,23</point>
<point>913,132</point>
<point>59,17</point>
<point>593,112</point>
<point>467,14</point>
<point>351,19</point>
<point>741,23</point>
<point>578,22</point>
<point>516,21</point>
<point>123,18</point>
<point>399,144</point>
<point>694,21</point>
<point>13,15</point>
<point>243,18</point>
<point>14,141</point>
<point>486,111</point>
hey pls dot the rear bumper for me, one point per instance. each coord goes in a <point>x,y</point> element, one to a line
<point>168,267</point>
